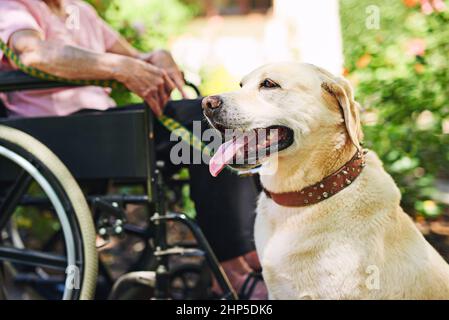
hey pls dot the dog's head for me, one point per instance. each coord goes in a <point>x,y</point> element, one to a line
<point>295,102</point>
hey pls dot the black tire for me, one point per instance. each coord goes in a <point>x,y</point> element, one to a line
<point>34,159</point>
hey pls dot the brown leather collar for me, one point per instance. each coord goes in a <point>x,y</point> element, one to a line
<point>324,189</point>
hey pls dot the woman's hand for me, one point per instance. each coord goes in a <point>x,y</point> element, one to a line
<point>164,60</point>
<point>149,82</point>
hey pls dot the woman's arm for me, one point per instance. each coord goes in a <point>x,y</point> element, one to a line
<point>159,58</point>
<point>64,61</point>
<point>122,47</point>
<point>149,82</point>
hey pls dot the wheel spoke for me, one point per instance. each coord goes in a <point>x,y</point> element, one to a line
<point>33,279</point>
<point>12,199</point>
<point>2,281</point>
<point>33,258</point>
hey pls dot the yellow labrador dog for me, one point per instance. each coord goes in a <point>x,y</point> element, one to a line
<point>329,224</point>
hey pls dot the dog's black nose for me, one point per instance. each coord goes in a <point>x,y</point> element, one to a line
<point>211,103</point>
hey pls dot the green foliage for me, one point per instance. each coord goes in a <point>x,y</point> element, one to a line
<point>146,24</point>
<point>405,95</point>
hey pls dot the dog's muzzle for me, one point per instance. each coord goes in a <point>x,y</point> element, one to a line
<point>211,105</point>
<point>243,148</point>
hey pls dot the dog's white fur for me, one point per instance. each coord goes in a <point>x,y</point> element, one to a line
<point>358,244</point>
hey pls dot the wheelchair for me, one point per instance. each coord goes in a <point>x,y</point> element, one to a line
<point>50,227</point>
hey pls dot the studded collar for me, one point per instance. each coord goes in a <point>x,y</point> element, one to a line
<point>326,188</point>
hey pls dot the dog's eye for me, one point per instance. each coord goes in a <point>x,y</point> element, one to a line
<point>269,84</point>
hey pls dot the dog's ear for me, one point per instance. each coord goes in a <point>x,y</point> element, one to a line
<point>341,90</point>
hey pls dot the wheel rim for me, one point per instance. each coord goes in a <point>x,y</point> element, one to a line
<point>69,239</point>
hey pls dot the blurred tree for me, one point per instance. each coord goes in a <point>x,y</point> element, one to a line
<point>401,74</point>
<point>146,24</point>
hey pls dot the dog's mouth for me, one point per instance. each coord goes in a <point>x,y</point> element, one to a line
<point>246,149</point>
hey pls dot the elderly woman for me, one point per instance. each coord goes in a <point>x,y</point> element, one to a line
<point>45,37</point>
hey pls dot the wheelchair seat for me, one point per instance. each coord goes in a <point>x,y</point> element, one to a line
<point>93,145</point>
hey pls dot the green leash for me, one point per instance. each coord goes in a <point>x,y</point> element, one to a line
<point>171,124</point>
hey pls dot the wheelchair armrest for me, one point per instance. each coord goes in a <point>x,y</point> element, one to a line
<point>18,81</point>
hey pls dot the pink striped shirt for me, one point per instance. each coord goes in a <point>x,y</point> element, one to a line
<point>83,28</point>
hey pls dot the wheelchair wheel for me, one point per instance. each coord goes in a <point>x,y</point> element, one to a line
<point>47,235</point>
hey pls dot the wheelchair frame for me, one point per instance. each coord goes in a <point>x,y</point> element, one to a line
<point>154,199</point>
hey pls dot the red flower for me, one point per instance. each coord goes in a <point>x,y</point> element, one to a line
<point>428,6</point>
<point>363,61</point>
<point>419,68</point>
<point>416,47</point>
<point>439,5</point>
<point>410,3</point>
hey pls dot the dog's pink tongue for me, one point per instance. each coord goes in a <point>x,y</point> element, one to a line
<point>224,155</point>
